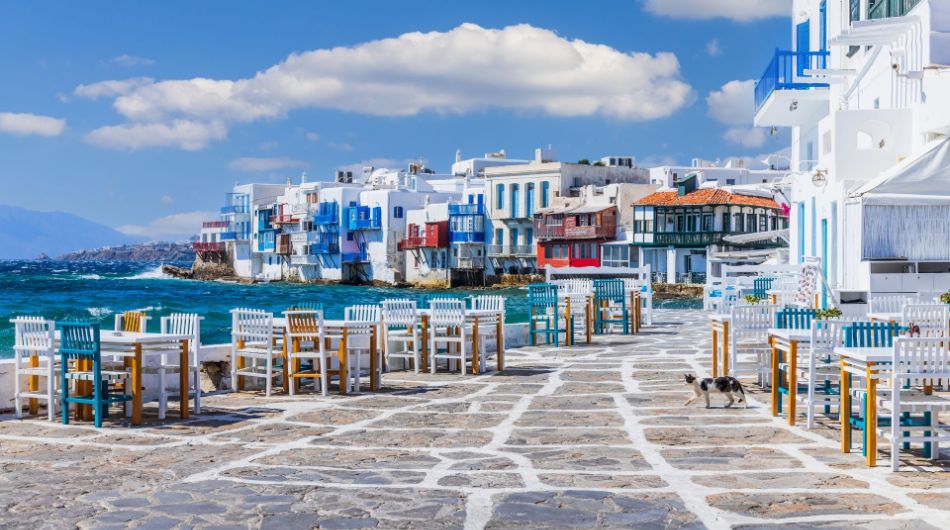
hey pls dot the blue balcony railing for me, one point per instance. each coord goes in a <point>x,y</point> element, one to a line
<point>467,237</point>
<point>327,215</point>
<point>363,218</point>
<point>227,236</point>
<point>355,257</point>
<point>787,72</point>
<point>324,247</point>
<point>466,209</point>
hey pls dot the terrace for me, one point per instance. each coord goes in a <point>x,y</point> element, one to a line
<point>363,218</point>
<point>583,437</point>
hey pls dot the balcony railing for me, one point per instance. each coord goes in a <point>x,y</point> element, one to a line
<point>786,72</point>
<point>283,219</point>
<point>324,247</point>
<point>548,232</point>
<point>687,238</point>
<point>511,250</point>
<point>363,218</point>
<point>890,8</point>
<point>239,208</point>
<point>202,246</point>
<point>467,237</point>
<point>473,262</point>
<point>355,257</point>
<point>466,209</point>
<point>304,259</point>
<point>215,224</point>
<point>228,236</point>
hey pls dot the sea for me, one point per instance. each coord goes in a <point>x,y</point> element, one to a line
<point>96,291</point>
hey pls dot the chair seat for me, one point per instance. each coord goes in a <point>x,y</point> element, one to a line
<point>259,353</point>
<point>106,375</point>
<point>40,370</point>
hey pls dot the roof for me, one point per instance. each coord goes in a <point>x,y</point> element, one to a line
<point>705,196</point>
<point>573,210</point>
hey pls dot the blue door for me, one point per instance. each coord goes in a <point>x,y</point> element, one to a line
<point>514,200</point>
<point>529,200</point>
<point>802,46</point>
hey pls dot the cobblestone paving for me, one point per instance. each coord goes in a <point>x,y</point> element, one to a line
<point>587,437</point>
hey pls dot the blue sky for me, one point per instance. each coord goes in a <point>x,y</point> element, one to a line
<point>151,155</point>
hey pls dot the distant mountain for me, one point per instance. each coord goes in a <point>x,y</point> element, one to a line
<point>26,234</point>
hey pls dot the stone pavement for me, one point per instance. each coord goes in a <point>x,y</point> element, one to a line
<point>584,437</point>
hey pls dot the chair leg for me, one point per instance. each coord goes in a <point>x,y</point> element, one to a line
<point>270,372</point>
<point>97,403</point>
<point>16,385</point>
<point>324,378</point>
<point>50,386</point>
<point>162,391</point>
<point>290,377</point>
<point>198,389</point>
<point>64,401</point>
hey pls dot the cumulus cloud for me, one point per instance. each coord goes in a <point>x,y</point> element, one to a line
<point>734,103</point>
<point>340,146</point>
<point>713,48</point>
<point>167,199</point>
<point>111,88</point>
<point>312,136</point>
<point>466,69</point>
<point>131,60</point>
<point>184,134</point>
<point>25,124</point>
<point>738,10</point>
<point>175,227</point>
<point>747,136</point>
<point>265,164</point>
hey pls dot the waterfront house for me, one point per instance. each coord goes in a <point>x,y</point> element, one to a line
<point>864,87</point>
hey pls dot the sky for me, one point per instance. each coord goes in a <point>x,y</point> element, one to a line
<point>141,115</point>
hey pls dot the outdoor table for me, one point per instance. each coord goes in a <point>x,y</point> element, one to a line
<point>720,328</point>
<point>341,328</point>
<point>785,341</point>
<point>884,317</point>
<point>588,314</point>
<point>474,315</point>
<point>134,347</point>
<point>861,362</point>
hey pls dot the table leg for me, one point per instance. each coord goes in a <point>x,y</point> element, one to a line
<point>137,386</point>
<point>500,343</point>
<point>844,414</point>
<point>569,332</point>
<point>284,366</point>
<point>633,312</point>
<point>34,385</point>
<point>870,422</point>
<point>725,348</point>
<point>475,359</point>
<point>639,320</point>
<point>715,351</point>
<point>589,314</point>
<point>373,361</point>
<point>776,395</point>
<point>295,365</point>
<point>183,379</point>
<point>344,365</point>
<point>424,339</point>
<point>239,384</point>
<point>792,380</point>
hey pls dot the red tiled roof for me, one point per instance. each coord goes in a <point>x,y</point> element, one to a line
<point>705,196</point>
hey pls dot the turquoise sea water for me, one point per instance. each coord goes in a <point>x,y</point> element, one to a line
<point>61,290</point>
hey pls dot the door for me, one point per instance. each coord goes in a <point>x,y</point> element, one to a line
<point>802,46</point>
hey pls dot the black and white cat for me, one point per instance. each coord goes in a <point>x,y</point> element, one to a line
<point>723,385</point>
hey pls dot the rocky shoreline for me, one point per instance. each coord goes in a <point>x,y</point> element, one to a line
<point>174,252</point>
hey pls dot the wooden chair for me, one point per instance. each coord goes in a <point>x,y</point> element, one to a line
<point>488,326</point>
<point>80,359</point>
<point>931,319</point>
<point>181,324</point>
<point>545,314</point>
<point>307,344</point>
<point>889,303</point>
<point>254,351</point>
<point>750,324</point>
<point>794,318</point>
<point>401,332</point>
<point>34,353</point>
<point>822,371</point>
<point>362,324</point>
<point>610,306</point>
<point>867,335</point>
<point>448,326</point>
<point>132,321</point>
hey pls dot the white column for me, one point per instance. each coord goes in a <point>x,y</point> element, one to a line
<point>671,265</point>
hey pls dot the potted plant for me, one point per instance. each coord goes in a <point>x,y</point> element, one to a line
<point>825,314</point>
<point>751,299</point>
<point>945,297</point>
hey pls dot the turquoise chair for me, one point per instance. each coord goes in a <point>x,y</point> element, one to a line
<point>544,314</point>
<point>761,286</point>
<point>79,343</point>
<point>794,318</point>
<point>612,294</point>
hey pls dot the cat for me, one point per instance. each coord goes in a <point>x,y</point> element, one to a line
<point>723,385</point>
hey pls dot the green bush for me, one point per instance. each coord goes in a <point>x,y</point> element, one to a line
<point>831,312</point>
<point>751,299</point>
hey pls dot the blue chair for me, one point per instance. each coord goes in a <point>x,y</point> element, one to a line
<point>610,305</point>
<point>794,318</point>
<point>761,286</point>
<point>544,314</point>
<point>81,361</point>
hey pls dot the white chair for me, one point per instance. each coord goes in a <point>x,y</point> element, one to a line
<point>646,297</point>
<point>361,322</point>
<point>306,336</point>
<point>932,319</point>
<point>448,326</point>
<point>253,346</point>
<point>889,303</point>
<point>917,361</point>
<point>822,370</point>
<point>750,325</point>
<point>181,324</point>
<point>401,332</point>
<point>34,338</point>
<point>488,326</point>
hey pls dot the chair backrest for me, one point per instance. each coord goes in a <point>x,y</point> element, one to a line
<point>447,312</point>
<point>253,325</point>
<point>730,299</point>
<point>794,318</point>
<point>889,303</point>
<point>489,303</point>
<point>33,335</point>
<point>576,287</point>
<point>828,334</point>
<point>79,340</point>
<point>752,319</point>
<point>761,286</point>
<point>131,321</point>
<point>183,324</point>
<point>611,290</point>
<point>543,295</point>
<point>400,313</point>
<point>930,318</point>
<point>870,334</point>
<point>304,324</point>
<point>306,306</point>
<point>362,314</point>
<point>920,358</point>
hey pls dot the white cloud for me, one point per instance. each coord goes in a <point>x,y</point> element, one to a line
<point>656,160</point>
<point>269,145</point>
<point>466,69</point>
<point>167,199</point>
<point>738,10</point>
<point>340,146</point>
<point>265,164</point>
<point>312,136</point>
<point>111,88</point>
<point>747,136</point>
<point>713,48</point>
<point>184,134</point>
<point>131,60</point>
<point>175,227</point>
<point>734,103</point>
<point>25,124</point>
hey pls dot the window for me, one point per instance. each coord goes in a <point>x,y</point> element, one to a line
<point>593,250</point>
<point>750,222</point>
<point>545,187</point>
<point>725,222</point>
<point>730,182</point>
<point>763,222</point>
<point>349,236</point>
<point>529,199</point>
<point>547,252</point>
<point>737,224</point>
<point>638,226</point>
<point>707,222</point>
<point>648,226</point>
<point>515,189</point>
<point>499,196</point>
<point>397,212</point>
<point>529,236</point>
<point>499,236</point>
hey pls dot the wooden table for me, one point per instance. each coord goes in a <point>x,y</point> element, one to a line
<point>720,328</point>
<point>472,315</point>
<point>861,362</point>
<point>342,329</point>
<point>785,341</point>
<point>134,347</point>
<point>588,303</point>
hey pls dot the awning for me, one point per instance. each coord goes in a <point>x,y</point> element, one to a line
<point>744,255</point>
<point>921,180</point>
<point>741,239</point>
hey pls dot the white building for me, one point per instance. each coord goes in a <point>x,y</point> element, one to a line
<point>865,89</point>
<point>732,173</point>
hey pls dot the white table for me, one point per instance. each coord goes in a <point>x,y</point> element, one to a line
<point>786,341</point>
<point>474,315</point>
<point>343,330</point>
<point>720,328</point>
<point>861,362</point>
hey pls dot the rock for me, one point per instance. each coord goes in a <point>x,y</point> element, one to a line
<point>178,252</point>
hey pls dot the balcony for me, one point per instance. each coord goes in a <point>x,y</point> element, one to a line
<point>215,224</point>
<point>466,209</point>
<point>328,215</point>
<point>324,247</point>
<point>511,250</point>
<point>555,232</point>
<point>304,259</point>
<point>472,262</point>
<point>363,218</point>
<point>228,236</point>
<point>283,219</point>
<point>788,95</point>
<point>878,9</point>
<point>687,239</point>
<point>467,237</point>
<point>355,257</point>
<point>202,246</point>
